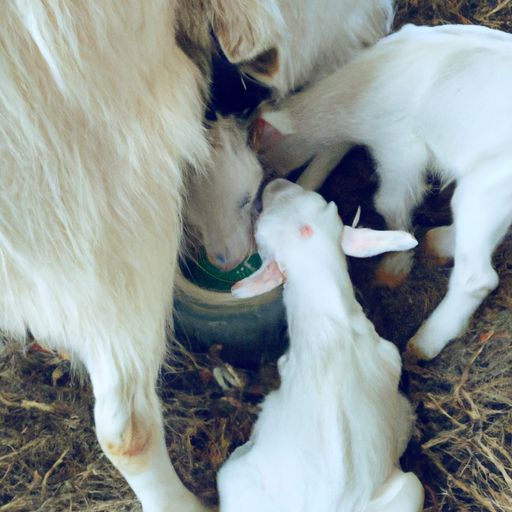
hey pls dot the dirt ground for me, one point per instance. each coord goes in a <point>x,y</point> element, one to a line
<point>462,444</point>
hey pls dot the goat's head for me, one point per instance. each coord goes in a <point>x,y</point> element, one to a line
<point>221,202</point>
<point>297,228</point>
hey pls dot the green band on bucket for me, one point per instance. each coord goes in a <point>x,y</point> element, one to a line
<point>205,275</point>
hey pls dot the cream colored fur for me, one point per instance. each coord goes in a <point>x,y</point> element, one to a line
<point>220,201</point>
<point>100,112</point>
<point>323,35</point>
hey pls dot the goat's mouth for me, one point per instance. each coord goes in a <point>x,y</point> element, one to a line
<point>229,265</point>
<point>202,272</point>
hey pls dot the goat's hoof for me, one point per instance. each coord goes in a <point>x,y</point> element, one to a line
<point>393,270</point>
<point>418,350</point>
<point>390,279</point>
<point>412,355</point>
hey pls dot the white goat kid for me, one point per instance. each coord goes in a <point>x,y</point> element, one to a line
<point>316,38</point>
<point>100,112</point>
<point>329,439</point>
<point>423,98</point>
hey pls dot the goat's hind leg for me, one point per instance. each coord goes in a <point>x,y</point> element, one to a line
<point>129,423</point>
<point>482,211</point>
<point>401,173</point>
<point>439,244</point>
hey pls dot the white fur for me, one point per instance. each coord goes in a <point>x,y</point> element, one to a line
<point>322,35</point>
<point>312,38</point>
<point>425,98</point>
<point>245,28</point>
<point>331,435</point>
<point>100,114</point>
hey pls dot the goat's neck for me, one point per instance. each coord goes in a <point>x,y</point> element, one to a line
<point>321,298</point>
<point>321,305</point>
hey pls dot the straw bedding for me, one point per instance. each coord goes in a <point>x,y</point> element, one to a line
<point>462,445</point>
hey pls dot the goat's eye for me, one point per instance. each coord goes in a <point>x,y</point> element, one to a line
<point>245,202</point>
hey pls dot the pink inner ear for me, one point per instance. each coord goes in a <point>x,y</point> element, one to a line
<point>268,277</point>
<point>364,242</point>
<point>306,231</point>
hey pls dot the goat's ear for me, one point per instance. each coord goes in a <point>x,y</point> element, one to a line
<point>263,66</point>
<point>246,28</point>
<point>363,242</point>
<point>268,277</point>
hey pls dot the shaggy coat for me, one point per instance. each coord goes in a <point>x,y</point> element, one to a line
<point>100,114</point>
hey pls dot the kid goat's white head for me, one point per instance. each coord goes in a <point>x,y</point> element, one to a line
<point>298,228</point>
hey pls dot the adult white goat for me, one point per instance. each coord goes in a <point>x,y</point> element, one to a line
<point>317,37</point>
<point>423,98</point>
<point>100,112</point>
<point>330,437</point>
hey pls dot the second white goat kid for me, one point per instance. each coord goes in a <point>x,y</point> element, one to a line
<point>329,439</point>
<point>423,98</point>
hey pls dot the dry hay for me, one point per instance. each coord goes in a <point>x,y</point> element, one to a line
<point>493,13</point>
<point>462,446</point>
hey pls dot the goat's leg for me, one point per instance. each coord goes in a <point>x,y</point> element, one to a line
<point>404,424</point>
<point>482,213</point>
<point>129,424</point>
<point>439,244</point>
<point>321,166</point>
<point>401,189</point>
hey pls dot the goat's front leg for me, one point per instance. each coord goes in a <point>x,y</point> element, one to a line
<point>129,422</point>
<point>482,214</point>
<point>322,165</point>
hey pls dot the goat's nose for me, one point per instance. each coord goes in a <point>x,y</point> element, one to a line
<point>225,261</point>
<point>219,258</point>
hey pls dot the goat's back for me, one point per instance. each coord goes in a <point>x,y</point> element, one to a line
<point>328,438</point>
